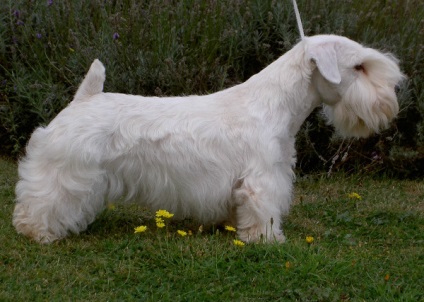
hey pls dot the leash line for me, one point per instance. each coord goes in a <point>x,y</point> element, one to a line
<point>299,21</point>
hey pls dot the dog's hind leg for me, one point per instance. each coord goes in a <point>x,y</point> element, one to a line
<point>51,204</point>
<point>56,196</point>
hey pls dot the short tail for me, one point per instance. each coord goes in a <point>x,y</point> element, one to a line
<point>92,83</point>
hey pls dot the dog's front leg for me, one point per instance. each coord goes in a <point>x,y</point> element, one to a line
<point>260,202</point>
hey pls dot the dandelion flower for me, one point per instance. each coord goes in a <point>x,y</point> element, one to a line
<point>238,242</point>
<point>182,233</point>
<point>160,223</point>
<point>140,229</point>
<point>309,239</point>
<point>164,214</point>
<point>354,195</point>
<point>386,277</point>
<point>288,264</point>
<point>230,228</point>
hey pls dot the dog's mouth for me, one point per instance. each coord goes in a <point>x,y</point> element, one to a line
<point>362,116</point>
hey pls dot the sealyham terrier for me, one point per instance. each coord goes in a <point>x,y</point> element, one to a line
<point>227,156</point>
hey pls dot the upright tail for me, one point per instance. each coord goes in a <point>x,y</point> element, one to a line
<point>92,83</point>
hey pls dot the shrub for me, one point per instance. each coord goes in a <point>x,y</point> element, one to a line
<point>170,47</point>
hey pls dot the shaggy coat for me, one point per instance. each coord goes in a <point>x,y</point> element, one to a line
<point>227,156</point>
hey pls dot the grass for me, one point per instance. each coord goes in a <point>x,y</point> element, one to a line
<point>368,249</point>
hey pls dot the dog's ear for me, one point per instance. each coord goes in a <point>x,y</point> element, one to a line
<point>325,58</point>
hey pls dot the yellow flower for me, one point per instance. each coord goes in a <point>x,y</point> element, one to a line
<point>140,229</point>
<point>164,214</point>
<point>288,264</point>
<point>230,228</point>
<point>354,195</point>
<point>160,223</point>
<point>182,233</point>
<point>387,277</point>
<point>309,239</point>
<point>238,242</point>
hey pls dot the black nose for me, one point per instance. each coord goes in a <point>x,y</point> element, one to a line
<point>397,88</point>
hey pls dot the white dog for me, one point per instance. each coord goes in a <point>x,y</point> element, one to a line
<point>228,156</point>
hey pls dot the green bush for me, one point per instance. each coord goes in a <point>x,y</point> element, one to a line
<point>170,47</point>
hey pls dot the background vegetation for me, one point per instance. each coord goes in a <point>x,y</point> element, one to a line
<point>169,47</point>
<point>367,249</point>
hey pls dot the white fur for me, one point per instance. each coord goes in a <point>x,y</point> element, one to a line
<point>228,156</point>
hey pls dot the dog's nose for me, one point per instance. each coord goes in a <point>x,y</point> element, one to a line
<point>397,88</point>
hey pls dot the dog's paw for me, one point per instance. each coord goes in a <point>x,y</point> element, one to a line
<point>256,234</point>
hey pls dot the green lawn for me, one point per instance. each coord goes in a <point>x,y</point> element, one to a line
<point>368,249</point>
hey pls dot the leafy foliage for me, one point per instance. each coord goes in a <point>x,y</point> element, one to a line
<point>171,47</point>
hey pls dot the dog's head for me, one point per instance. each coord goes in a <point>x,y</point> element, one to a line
<point>355,83</point>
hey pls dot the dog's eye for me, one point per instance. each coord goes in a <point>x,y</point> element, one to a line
<point>359,67</point>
